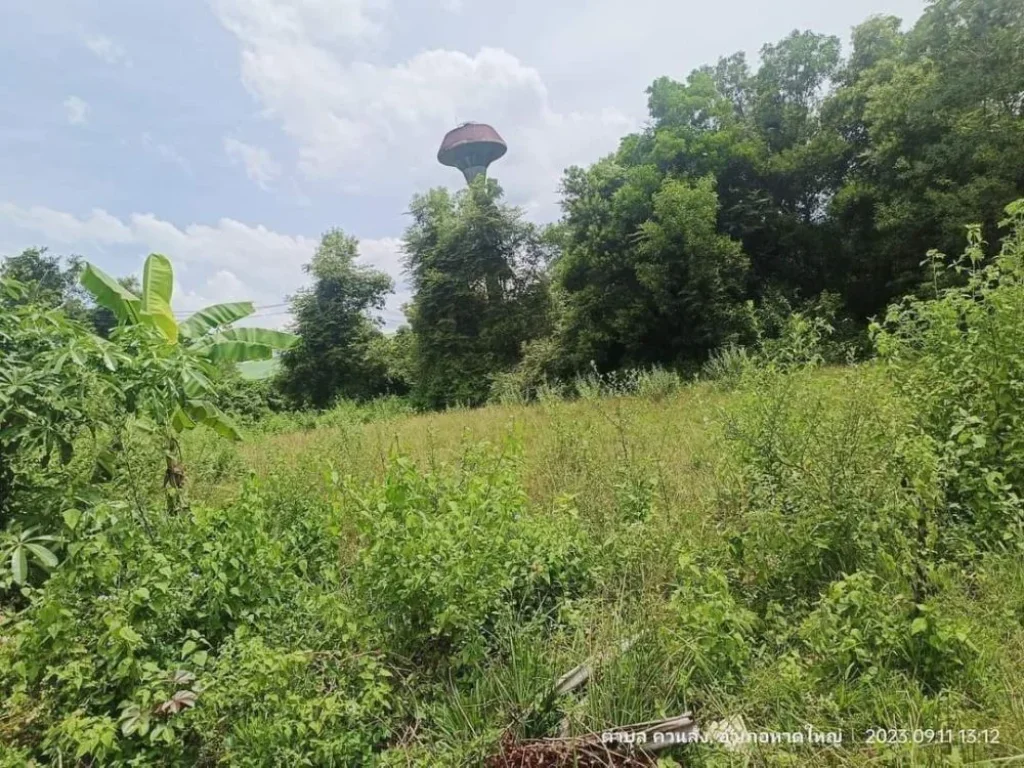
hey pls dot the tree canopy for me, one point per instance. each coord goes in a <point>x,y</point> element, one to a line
<point>477,268</point>
<point>337,329</point>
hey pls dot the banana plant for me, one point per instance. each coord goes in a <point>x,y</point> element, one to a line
<point>198,346</point>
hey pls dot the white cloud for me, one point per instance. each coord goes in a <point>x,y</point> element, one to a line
<point>363,121</point>
<point>166,152</point>
<point>107,50</point>
<point>77,110</point>
<point>98,227</point>
<point>326,20</point>
<point>226,261</point>
<point>259,166</point>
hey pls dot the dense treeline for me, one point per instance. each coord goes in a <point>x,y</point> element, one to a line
<point>813,181</point>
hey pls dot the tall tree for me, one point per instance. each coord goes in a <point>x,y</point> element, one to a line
<point>337,328</point>
<point>834,175</point>
<point>47,280</point>
<point>646,277</point>
<point>933,121</point>
<point>480,291</point>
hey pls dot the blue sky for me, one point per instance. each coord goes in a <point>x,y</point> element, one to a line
<point>229,134</point>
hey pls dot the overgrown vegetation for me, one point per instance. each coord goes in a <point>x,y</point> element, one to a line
<point>749,453</point>
<point>806,546</point>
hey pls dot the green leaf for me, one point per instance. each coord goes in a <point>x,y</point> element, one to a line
<point>919,625</point>
<point>19,565</point>
<point>235,351</point>
<point>196,383</point>
<point>180,421</point>
<point>109,293</point>
<point>274,339</point>
<point>157,286</point>
<point>72,517</point>
<point>43,555</point>
<point>108,361</point>
<point>210,415</point>
<point>214,317</point>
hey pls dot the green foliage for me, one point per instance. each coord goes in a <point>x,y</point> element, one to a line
<point>480,292</point>
<point>956,357</point>
<point>862,626</point>
<point>57,384</point>
<point>207,334</point>
<point>174,367</point>
<point>339,354</point>
<point>645,278</point>
<point>818,488</point>
<point>46,281</point>
<point>443,558</point>
<point>716,629</point>
<point>28,548</point>
<point>810,174</point>
<point>205,644</point>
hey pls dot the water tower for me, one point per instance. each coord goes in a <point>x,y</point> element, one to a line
<point>471,148</point>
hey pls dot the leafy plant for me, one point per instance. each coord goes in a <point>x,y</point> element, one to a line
<point>445,556</point>
<point>177,362</point>
<point>27,547</point>
<point>956,358</point>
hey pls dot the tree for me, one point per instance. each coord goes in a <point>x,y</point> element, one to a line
<point>646,277</point>
<point>835,176</point>
<point>477,269</point>
<point>337,354</point>
<point>46,282</point>
<point>932,120</point>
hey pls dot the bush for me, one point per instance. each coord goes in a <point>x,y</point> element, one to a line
<point>815,488</point>
<point>727,365</point>
<point>717,630</point>
<point>957,359</point>
<point>444,556</point>
<point>862,626</point>
<point>210,642</point>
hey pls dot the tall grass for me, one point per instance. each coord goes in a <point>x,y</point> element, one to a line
<point>784,546</point>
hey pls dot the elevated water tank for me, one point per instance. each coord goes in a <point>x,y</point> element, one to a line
<point>471,148</point>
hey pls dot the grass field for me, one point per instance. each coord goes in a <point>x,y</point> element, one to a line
<point>784,551</point>
<point>745,540</point>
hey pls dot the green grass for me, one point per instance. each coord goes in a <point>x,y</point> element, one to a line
<point>371,586</point>
<point>652,480</point>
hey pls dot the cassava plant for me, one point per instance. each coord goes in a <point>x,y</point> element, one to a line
<point>59,384</point>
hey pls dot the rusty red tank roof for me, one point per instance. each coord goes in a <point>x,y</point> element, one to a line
<point>470,133</point>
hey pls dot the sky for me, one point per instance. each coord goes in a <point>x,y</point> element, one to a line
<point>230,134</point>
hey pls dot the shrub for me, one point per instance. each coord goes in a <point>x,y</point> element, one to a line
<point>727,365</point>
<point>957,359</point>
<point>266,705</point>
<point>210,641</point>
<point>815,488</point>
<point>716,629</point>
<point>862,626</point>
<point>446,554</point>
